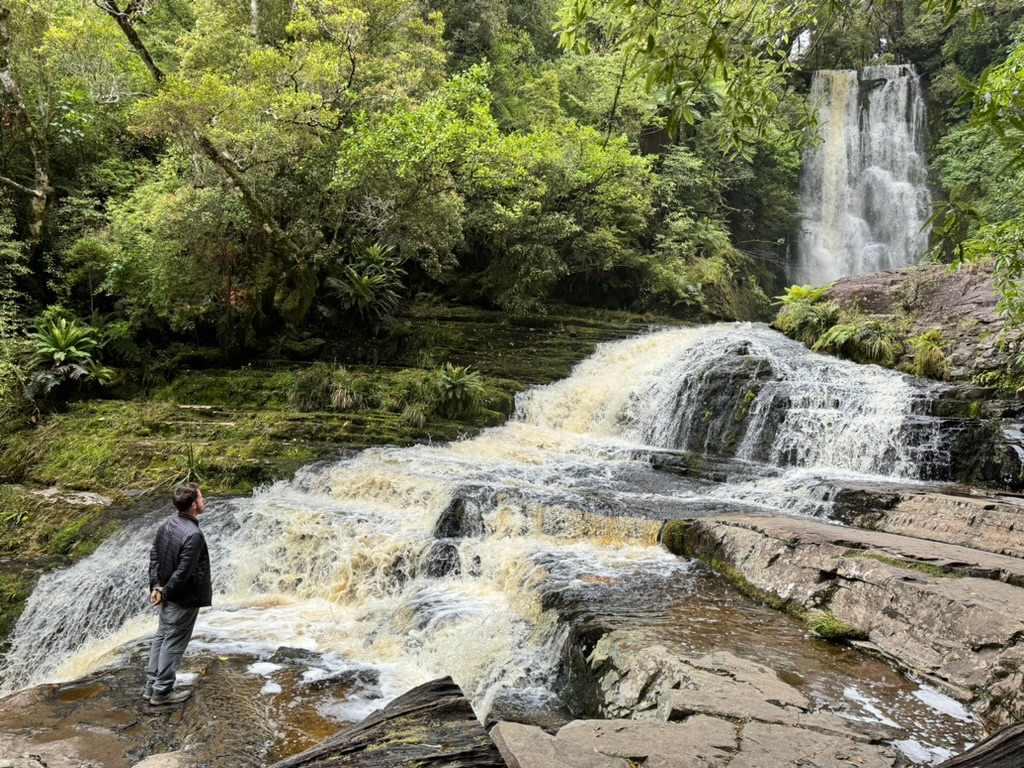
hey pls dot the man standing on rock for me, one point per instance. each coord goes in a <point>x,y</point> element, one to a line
<point>179,583</point>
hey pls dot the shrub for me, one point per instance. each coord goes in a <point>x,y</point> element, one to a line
<point>372,284</point>
<point>802,294</point>
<point>416,415</point>
<point>457,391</point>
<point>929,358</point>
<point>63,349</point>
<point>878,342</point>
<point>872,340</point>
<point>312,388</point>
<point>805,320</point>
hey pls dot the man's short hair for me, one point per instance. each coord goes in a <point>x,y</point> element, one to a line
<point>185,495</point>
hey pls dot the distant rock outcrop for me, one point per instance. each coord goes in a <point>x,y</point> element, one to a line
<point>961,304</point>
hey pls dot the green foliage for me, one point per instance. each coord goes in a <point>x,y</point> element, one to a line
<point>313,388</point>
<point>929,358</point>
<point>865,340</point>
<point>827,626</point>
<point>372,284</point>
<point>559,206</point>
<point>64,350</point>
<point>15,589</point>
<point>12,267</point>
<point>65,540</point>
<point>416,415</point>
<point>982,218</point>
<point>729,57</point>
<point>456,391</point>
<point>804,316</point>
<point>191,471</point>
<point>798,294</point>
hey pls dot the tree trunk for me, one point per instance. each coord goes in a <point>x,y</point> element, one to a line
<point>124,21</point>
<point>1003,749</point>
<point>40,189</point>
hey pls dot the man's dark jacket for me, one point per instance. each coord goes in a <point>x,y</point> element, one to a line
<point>180,563</point>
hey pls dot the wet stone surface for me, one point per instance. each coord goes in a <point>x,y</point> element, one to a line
<point>244,712</point>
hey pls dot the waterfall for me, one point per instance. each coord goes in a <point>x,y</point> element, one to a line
<point>392,558</point>
<point>864,189</point>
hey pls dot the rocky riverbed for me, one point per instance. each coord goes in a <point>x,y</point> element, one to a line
<point>952,613</point>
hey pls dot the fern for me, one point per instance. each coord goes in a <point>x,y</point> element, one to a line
<point>836,338</point>
<point>801,294</point>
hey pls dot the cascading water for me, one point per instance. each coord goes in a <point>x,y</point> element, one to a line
<point>863,189</point>
<point>392,559</point>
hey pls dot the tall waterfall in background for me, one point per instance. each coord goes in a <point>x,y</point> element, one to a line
<point>863,190</point>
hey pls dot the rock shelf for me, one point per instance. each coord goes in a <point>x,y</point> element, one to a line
<point>947,612</point>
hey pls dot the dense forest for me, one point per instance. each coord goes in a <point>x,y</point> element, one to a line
<point>238,172</point>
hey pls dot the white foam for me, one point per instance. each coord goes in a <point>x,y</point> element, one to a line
<point>920,754</point>
<point>940,702</point>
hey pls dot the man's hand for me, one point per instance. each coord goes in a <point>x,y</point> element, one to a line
<point>156,596</point>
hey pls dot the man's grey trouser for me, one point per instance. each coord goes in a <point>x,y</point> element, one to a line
<point>172,636</point>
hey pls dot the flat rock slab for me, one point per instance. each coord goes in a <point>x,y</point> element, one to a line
<point>700,742</point>
<point>991,524</point>
<point>527,746</point>
<point>964,633</point>
<point>707,742</point>
<point>779,746</point>
<point>431,725</point>
<point>630,679</point>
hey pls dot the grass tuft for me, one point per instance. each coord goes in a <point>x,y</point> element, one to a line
<point>829,627</point>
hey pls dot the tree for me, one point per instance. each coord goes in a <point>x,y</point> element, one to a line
<point>697,56</point>
<point>15,114</point>
<point>998,110</point>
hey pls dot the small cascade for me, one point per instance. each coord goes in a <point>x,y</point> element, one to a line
<point>392,558</point>
<point>864,190</point>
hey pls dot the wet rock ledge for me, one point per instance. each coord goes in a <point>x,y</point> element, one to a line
<point>948,613</point>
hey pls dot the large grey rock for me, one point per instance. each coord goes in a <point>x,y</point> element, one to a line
<point>989,524</point>
<point>961,632</point>
<point>962,304</point>
<point>433,724</point>
<point>700,742</point>
<point>526,746</point>
<point>647,682</point>
<point>780,746</point>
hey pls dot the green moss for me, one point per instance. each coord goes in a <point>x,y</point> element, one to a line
<point>830,627</point>
<point>748,400</point>
<point>14,591</point>
<point>768,598</point>
<point>63,540</point>
<point>673,536</point>
<point>912,565</point>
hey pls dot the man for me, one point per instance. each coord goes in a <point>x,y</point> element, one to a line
<point>179,583</point>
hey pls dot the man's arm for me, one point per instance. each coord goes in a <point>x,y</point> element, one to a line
<point>154,561</point>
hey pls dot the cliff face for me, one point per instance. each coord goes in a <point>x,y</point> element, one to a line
<point>961,303</point>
